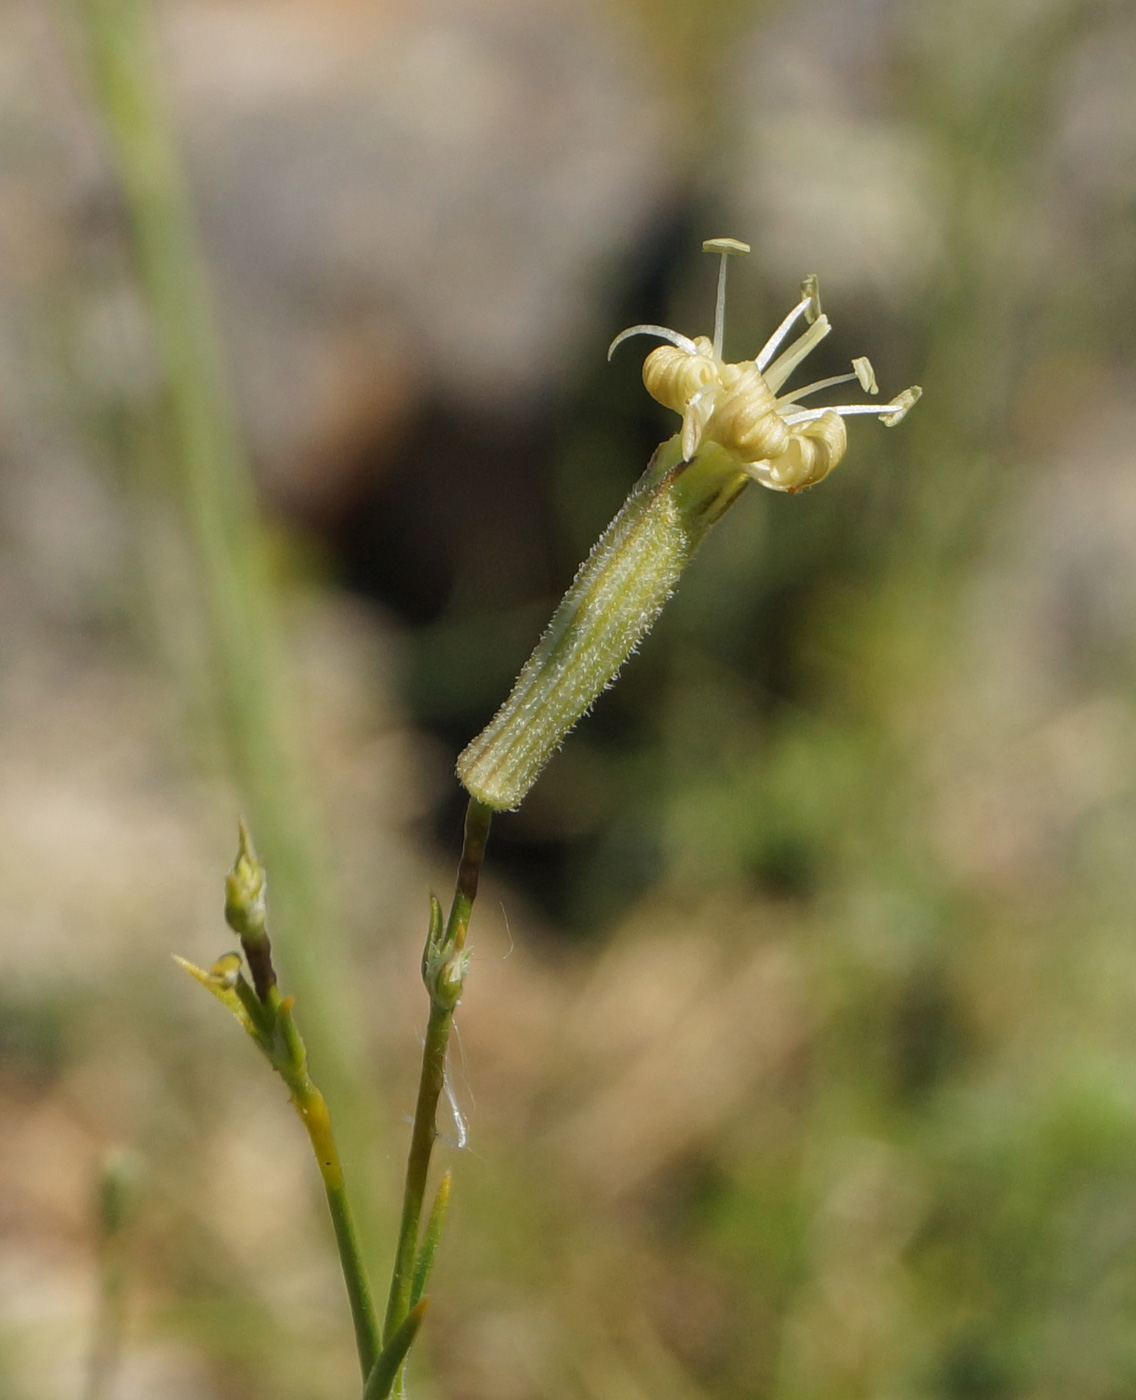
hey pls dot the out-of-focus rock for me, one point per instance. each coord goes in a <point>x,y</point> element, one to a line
<point>405,199</point>
<point>397,202</point>
<point>1039,744</point>
<point>824,175</point>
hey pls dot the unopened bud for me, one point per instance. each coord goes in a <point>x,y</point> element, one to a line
<point>246,913</point>
<point>447,985</point>
<point>246,888</point>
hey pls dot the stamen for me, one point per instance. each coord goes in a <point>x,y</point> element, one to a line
<point>770,347</point>
<point>785,363</point>
<point>815,388</point>
<point>846,410</point>
<point>726,247</point>
<point>888,413</point>
<point>862,372</point>
<point>661,331</point>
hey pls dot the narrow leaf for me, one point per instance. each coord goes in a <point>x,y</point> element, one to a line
<point>222,986</point>
<point>381,1380</point>
<point>434,936</point>
<point>425,1260</point>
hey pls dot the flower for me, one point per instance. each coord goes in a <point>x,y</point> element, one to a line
<point>774,440</point>
<point>734,428</point>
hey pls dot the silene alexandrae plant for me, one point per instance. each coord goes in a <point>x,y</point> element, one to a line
<point>737,426</point>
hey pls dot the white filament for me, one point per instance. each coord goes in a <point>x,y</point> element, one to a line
<point>814,388</point>
<point>809,415</point>
<point>770,347</point>
<point>720,309</point>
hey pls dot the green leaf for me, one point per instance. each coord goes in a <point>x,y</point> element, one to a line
<point>221,981</point>
<point>425,1260</point>
<point>381,1380</point>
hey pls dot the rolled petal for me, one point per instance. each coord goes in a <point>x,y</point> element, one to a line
<point>746,421</point>
<point>673,377</point>
<point>813,450</point>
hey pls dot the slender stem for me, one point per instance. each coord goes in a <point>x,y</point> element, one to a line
<point>477,819</point>
<point>418,1165</point>
<point>424,1132</point>
<point>267,1016</point>
<point>312,1108</point>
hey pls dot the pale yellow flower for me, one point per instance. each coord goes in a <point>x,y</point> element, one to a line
<point>734,427</point>
<point>774,439</point>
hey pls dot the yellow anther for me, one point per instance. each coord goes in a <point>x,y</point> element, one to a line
<point>810,291</point>
<point>864,372</point>
<point>725,245</point>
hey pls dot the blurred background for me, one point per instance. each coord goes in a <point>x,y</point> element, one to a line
<point>799,1051</point>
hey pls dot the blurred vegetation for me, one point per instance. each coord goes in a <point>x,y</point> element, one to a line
<point>811,1071</point>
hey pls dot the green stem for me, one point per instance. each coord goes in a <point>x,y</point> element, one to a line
<point>418,1165</point>
<point>312,1108</point>
<point>431,1080</point>
<point>477,819</point>
<point>367,1340</point>
<point>267,1016</point>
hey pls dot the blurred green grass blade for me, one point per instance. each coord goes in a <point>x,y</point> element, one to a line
<point>208,471</point>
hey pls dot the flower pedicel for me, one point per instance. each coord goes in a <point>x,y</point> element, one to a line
<point>736,426</point>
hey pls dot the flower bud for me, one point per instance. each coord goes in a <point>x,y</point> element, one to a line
<point>246,888</point>
<point>246,913</point>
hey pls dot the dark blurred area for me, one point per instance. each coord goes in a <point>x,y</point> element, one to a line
<point>799,1049</point>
